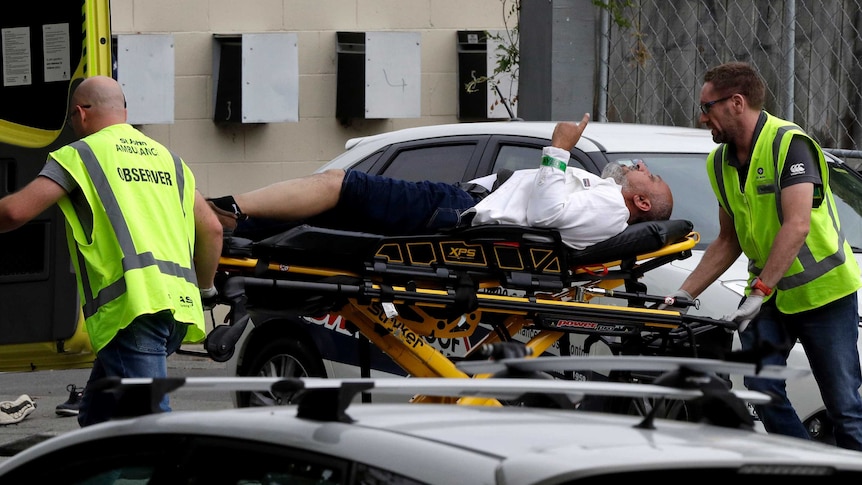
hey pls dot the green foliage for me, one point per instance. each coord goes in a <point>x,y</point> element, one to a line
<point>508,52</point>
<point>615,8</point>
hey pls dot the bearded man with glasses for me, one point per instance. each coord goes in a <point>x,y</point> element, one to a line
<point>776,206</point>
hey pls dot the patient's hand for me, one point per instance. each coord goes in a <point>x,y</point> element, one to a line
<point>567,133</point>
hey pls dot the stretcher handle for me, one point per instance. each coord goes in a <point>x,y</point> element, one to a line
<point>728,325</point>
<point>679,301</point>
<point>220,343</point>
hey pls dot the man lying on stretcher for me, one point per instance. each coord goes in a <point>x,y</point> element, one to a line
<point>583,207</point>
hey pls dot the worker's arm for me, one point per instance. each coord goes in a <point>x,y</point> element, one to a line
<point>208,242</point>
<point>20,207</point>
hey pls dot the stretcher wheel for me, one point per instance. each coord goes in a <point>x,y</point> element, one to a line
<point>215,344</point>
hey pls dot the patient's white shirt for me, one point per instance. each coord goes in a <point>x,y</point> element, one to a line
<point>583,207</point>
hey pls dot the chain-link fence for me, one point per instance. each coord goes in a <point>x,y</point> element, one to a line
<point>808,52</point>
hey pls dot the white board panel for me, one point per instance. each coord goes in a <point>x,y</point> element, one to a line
<point>270,77</point>
<point>393,75</point>
<point>145,70</point>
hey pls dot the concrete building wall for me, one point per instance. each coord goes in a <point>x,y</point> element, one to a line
<point>233,157</point>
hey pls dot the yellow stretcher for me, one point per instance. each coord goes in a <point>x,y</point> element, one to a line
<point>399,290</point>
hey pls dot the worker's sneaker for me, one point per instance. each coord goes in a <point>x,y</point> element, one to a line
<point>12,412</point>
<point>73,404</point>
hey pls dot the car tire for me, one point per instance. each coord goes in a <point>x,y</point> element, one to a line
<point>283,357</point>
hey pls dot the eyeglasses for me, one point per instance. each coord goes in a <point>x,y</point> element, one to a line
<point>705,107</point>
<point>75,110</point>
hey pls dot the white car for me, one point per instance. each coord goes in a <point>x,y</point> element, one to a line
<point>329,438</point>
<point>283,345</point>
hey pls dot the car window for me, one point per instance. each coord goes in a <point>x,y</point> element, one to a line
<point>450,162</point>
<point>694,199</point>
<point>178,458</point>
<point>367,163</point>
<point>132,460</point>
<point>440,163</point>
<point>369,475</point>
<point>847,192</point>
<point>692,194</point>
<point>517,157</point>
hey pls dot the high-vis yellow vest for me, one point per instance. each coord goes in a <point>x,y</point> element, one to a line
<point>138,259</point>
<point>825,269</point>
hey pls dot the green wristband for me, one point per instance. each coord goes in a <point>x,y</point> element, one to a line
<point>548,161</point>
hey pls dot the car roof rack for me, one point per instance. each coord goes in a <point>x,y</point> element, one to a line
<point>630,363</point>
<point>323,399</point>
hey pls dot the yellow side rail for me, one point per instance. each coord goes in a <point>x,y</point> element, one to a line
<point>403,340</point>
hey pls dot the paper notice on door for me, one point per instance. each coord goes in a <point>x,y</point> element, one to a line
<point>55,47</point>
<point>17,58</point>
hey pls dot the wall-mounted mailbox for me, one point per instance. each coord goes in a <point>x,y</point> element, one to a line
<point>145,70</point>
<point>379,75</point>
<point>472,69</point>
<point>477,59</point>
<point>256,78</point>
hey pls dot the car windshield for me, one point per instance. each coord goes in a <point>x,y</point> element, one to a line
<point>694,200</point>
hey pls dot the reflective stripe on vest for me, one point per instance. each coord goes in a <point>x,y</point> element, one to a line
<point>131,259</point>
<point>812,268</point>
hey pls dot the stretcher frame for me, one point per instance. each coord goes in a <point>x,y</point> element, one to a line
<point>398,290</point>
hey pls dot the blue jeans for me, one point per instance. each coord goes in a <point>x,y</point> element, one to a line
<point>139,350</point>
<point>380,205</point>
<point>829,335</point>
<point>387,206</point>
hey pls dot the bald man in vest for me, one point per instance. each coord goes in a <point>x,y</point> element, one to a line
<point>144,243</point>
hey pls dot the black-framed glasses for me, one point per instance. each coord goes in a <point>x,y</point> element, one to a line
<point>75,110</point>
<point>705,107</point>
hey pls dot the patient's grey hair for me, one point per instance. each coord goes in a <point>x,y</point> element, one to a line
<point>662,203</point>
<point>614,171</point>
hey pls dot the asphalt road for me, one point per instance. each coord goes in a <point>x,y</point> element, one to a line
<point>48,389</point>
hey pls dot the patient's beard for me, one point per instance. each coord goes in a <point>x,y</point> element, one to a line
<point>614,171</point>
